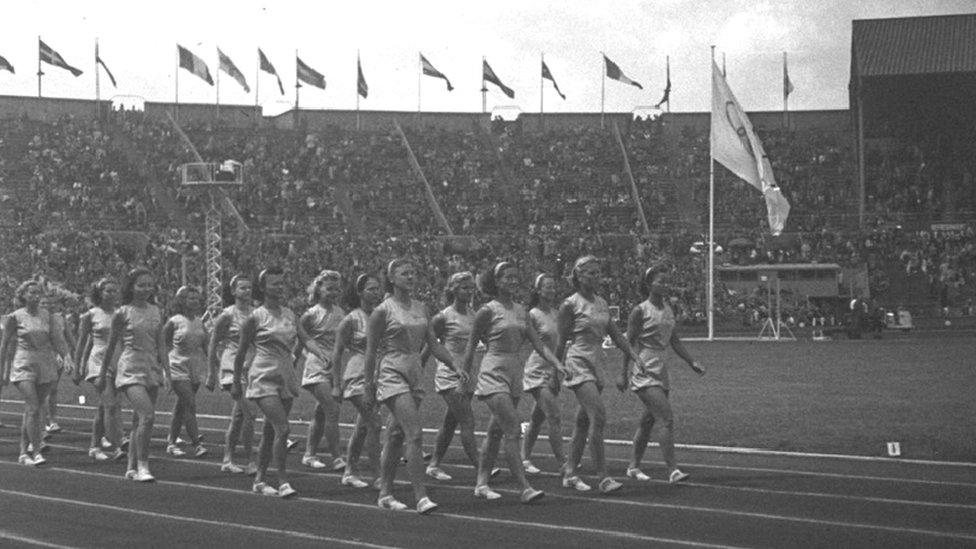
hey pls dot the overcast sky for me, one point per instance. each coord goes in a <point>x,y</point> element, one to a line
<point>138,43</point>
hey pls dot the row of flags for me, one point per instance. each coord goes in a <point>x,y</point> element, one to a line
<point>305,73</point>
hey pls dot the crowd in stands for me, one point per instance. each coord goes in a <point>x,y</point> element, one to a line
<point>335,198</point>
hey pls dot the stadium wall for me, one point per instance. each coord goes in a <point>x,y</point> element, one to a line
<point>49,109</point>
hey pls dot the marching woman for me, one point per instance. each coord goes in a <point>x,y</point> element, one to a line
<point>137,327</point>
<point>94,329</point>
<point>272,383</point>
<point>504,326</point>
<point>584,321</point>
<point>363,296</point>
<point>320,323</point>
<point>398,329</point>
<point>452,326</point>
<point>651,328</point>
<point>541,380</point>
<point>223,351</point>
<point>186,339</point>
<point>28,360</point>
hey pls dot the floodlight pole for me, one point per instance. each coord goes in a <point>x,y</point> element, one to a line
<point>214,269</point>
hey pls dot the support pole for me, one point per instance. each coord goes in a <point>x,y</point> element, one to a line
<point>431,200</point>
<point>633,185</point>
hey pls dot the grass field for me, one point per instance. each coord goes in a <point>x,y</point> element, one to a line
<point>844,397</point>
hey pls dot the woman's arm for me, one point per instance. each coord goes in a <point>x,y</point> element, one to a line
<point>245,341</point>
<point>115,336</point>
<point>564,323</point>
<point>634,322</point>
<point>305,340</point>
<point>681,351</point>
<point>9,333</point>
<point>482,321</point>
<point>374,332</point>
<point>439,325</point>
<point>165,338</point>
<point>540,347</point>
<point>343,334</point>
<point>82,347</point>
<point>213,349</point>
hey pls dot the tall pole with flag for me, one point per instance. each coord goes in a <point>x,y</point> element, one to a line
<point>40,73</point>
<point>217,80</point>
<point>484,88</point>
<point>710,298</point>
<point>359,81</point>
<point>603,88</point>
<point>98,95</point>
<point>257,81</point>
<point>176,71</point>
<point>667,87</point>
<point>787,90</point>
<point>542,94</point>
<point>298,83</point>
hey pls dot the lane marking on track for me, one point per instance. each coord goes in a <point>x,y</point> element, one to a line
<point>31,541</point>
<point>619,442</point>
<point>537,525</point>
<point>193,520</point>
<point>603,501</point>
<point>773,470</point>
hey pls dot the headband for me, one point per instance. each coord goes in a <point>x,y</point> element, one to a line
<point>329,274</point>
<point>501,266</point>
<point>361,281</point>
<point>583,261</point>
<point>458,278</point>
<point>539,279</point>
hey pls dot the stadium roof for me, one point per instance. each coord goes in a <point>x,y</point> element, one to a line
<point>914,45</point>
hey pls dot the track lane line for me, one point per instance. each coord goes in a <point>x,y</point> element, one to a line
<point>32,541</point>
<point>614,501</point>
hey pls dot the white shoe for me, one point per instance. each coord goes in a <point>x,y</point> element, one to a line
<point>636,474</point>
<point>530,469</point>
<point>576,483</point>
<point>426,506</point>
<point>251,469</point>
<point>437,473</point>
<point>231,467</point>
<point>677,476</point>
<point>98,455</point>
<point>339,464</point>
<point>130,474</point>
<point>143,475</point>
<point>175,450</point>
<point>391,503</point>
<point>484,492</point>
<point>312,462</point>
<point>263,489</point>
<point>53,427</point>
<point>286,491</point>
<point>354,481</point>
<point>118,454</point>
<point>199,451</point>
<point>531,494</point>
<point>105,444</point>
<point>608,485</point>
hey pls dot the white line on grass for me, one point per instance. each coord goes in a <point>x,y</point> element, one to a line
<point>619,442</point>
<point>606,501</point>
<point>537,525</point>
<point>193,520</point>
<point>31,541</point>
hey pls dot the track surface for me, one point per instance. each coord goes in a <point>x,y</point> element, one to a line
<point>733,500</point>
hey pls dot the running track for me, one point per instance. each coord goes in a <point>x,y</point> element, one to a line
<point>733,500</point>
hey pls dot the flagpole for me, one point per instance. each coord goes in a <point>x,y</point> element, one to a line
<point>668,61</point>
<point>724,74</point>
<point>297,85</point>
<point>176,105</point>
<point>257,84</point>
<point>786,96</point>
<point>218,85</point>
<point>711,223</point>
<point>484,88</point>
<point>39,72</point>
<point>358,127</point>
<point>603,86</point>
<point>98,94</point>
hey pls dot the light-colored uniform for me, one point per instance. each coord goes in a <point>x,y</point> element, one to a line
<point>230,344</point>
<point>457,329</point>
<point>34,358</point>
<point>653,343</point>
<point>403,337</point>
<point>272,371</point>
<point>139,362</point>
<point>101,330</point>
<point>538,371</point>
<point>585,357</point>
<point>324,324</point>
<point>501,367</point>
<point>353,375</point>
<point>187,358</point>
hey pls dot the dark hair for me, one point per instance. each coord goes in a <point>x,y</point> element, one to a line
<point>22,289</point>
<point>353,291</point>
<point>649,275</point>
<point>391,268</point>
<point>534,297</point>
<point>258,291</point>
<point>179,300</point>
<point>130,282</point>
<point>313,287</point>
<point>488,282</point>
<point>98,288</point>
<point>227,294</point>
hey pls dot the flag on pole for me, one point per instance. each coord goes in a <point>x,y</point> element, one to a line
<point>787,84</point>
<point>52,57</point>
<point>230,68</point>
<point>308,75</point>
<point>267,67</point>
<point>192,63</point>
<point>98,60</point>
<point>5,65</point>
<point>429,70</point>
<point>361,80</point>
<point>490,76</point>
<point>666,98</point>
<point>735,145</point>
<point>614,73</point>
<point>547,74</point>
